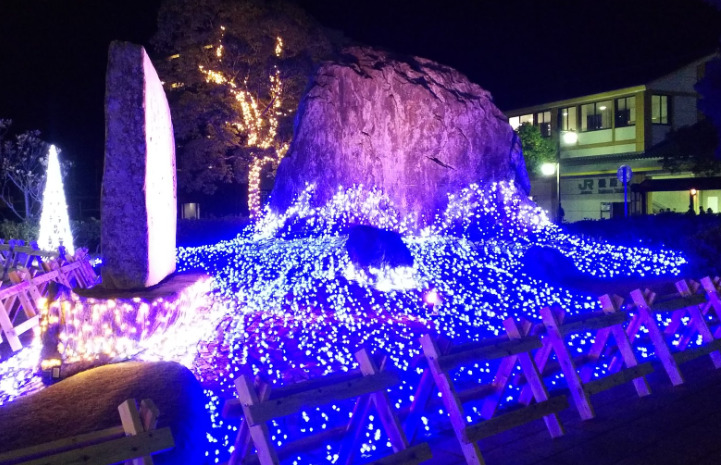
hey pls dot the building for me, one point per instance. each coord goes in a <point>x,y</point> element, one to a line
<point>596,134</point>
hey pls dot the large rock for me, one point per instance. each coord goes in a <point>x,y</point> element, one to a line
<point>414,128</point>
<point>89,402</point>
<point>139,188</point>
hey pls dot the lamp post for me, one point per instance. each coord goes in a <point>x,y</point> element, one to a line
<point>549,169</point>
<point>567,138</point>
<point>691,197</point>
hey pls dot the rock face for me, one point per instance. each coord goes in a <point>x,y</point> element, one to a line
<point>414,128</point>
<point>139,184</point>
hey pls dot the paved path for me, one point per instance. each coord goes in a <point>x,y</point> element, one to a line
<point>672,426</point>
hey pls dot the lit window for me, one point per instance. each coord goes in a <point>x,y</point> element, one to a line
<point>625,112</point>
<point>515,122</point>
<point>659,109</point>
<point>543,121</point>
<point>595,116</point>
<point>526,119</point>
<point>569,119</point>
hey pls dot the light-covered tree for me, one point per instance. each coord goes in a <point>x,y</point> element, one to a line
<point>54,220</point>
<point>234,73</point>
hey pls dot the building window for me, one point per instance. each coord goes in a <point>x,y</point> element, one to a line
<point>595,116</point>
<point>569,119</point>
<point>543,121</point>
<point>659,109</point>
<point>516,121</point>
<point>625,112</point>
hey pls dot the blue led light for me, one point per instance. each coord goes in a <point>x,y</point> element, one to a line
<point>294,306</point>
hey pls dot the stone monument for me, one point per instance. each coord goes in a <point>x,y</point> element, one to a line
<point>414,128</point>
<point>138,203</point>
<point>138,226</point>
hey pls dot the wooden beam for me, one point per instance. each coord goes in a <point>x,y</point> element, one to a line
<point>410,456</point>
<point>514,418</point>
<point>279,407</point>
<point>500,349</point>
<point>117,450</point>
<point>258,432</point>
<point>591,322</point>
<point>695,352</point>
<point>61,445</point>
<point>620,377</point>
<point>677,303</point>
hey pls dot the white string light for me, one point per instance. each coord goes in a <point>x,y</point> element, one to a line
<point>54,221</point>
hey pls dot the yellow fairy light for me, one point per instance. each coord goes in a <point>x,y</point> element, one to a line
<point>90,331</point>
<point>259,121</point>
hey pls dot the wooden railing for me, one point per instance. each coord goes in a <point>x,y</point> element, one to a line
<point>693,310</point>
<point>16,254</point>
<point>136,439</point>
<point>30,279</point>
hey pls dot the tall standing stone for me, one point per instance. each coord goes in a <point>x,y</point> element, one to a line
<point>138,216</point>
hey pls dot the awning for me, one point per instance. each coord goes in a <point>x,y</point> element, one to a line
<point>677,184</point>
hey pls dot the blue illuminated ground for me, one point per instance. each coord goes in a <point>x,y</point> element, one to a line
<point>290,304</point>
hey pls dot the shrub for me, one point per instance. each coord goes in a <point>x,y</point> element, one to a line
<point>698,236</point>
<point>86,233</point>
<point>192,233</point>
<point>26,230</point>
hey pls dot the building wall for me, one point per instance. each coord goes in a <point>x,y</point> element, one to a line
<point>581,195</point>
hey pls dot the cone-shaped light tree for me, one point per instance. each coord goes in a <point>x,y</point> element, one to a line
<point>54,220</point>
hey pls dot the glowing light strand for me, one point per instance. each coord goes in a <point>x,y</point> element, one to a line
<point>293,305</point>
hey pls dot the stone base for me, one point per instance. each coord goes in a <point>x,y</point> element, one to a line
<point>172,285</point>
<point>86,328</point>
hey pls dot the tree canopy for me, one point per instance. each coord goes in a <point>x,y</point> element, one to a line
<point>537,149</point>
<point>234,73</point>
<point>23,161</point>
<point>691,148</point>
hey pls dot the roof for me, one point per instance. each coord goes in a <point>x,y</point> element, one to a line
<point>677,184</point>
<point>573,90</point>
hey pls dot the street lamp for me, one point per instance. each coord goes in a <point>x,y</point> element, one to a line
<point>548,169</point>
<point>569,137</point>
<point>564,138</point>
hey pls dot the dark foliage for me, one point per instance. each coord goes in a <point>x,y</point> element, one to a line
<point>698,236</point>
<point>213,143</point>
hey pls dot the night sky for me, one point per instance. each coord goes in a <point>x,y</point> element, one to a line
<point>53,52</point>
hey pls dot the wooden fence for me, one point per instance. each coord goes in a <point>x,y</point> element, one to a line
<point>16,254</point>
<point>134,441</point>
<point>30,276</point>
<point>693,313</point>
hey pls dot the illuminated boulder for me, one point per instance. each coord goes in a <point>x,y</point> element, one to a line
<point>139,185</point>
<point>415,129</point>
<point>89,402</point>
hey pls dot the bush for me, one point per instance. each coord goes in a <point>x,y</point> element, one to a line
<point>697,236</point>
<point>86,233</point>
<point>26,230</point>
<point>191,233</point>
